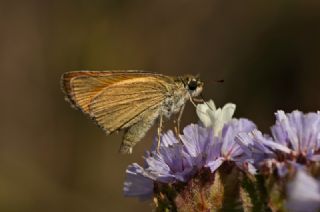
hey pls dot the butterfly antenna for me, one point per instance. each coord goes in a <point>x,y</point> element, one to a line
<point>216,81</point>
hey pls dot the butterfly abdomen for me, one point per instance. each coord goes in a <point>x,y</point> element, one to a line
<point>137,131</point>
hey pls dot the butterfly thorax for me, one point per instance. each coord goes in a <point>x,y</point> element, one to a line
<point>183,89</point>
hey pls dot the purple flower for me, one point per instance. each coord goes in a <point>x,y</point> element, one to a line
<point>303,193</point>
<point>259,147</point>
<point>298,131</point>
<point>225,148</point>
<point>170,165</point>
<point>175,162</point>
<point>296,138</point>
<point>179,161</point>
<point>196,142</point>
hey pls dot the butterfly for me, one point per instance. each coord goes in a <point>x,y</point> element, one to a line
<point>129,100</point>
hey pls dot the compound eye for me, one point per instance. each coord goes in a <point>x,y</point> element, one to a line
<point>192,85</point>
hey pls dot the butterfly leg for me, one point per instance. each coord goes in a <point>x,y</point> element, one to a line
<point>177,127</point>
<point>179,118</point>
<point>159,132</point>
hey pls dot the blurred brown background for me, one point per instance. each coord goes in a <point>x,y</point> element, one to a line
<point>54,159</point>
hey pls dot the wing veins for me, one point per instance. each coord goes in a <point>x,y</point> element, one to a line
<point>124,124</point>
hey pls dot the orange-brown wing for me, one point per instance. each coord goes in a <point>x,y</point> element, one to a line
<point>122,105</point>
<point>116,100</point>
<point>81,87</point>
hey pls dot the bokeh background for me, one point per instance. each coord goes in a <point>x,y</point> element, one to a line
<point>52,158</point>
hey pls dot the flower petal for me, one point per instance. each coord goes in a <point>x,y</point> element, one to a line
<point>136,184</point>
<point>230,148</point>
<point>227,112</point>
<point>303,193</point>
<point>196,139</point>
<point>203,110</point>
<point>214,165</point>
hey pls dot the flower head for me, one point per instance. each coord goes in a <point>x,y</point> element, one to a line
<point>223,146</point>
<point>295,140</point>
<point>298,131</point>
<point>173,163</point>
<point>179,161</point>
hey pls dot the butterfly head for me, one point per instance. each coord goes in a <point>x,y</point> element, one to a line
<point>193,85</point>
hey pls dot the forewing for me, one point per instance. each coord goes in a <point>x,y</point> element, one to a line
<point>81,87</point>
<point>115,99</point>
<point>125,103</point>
